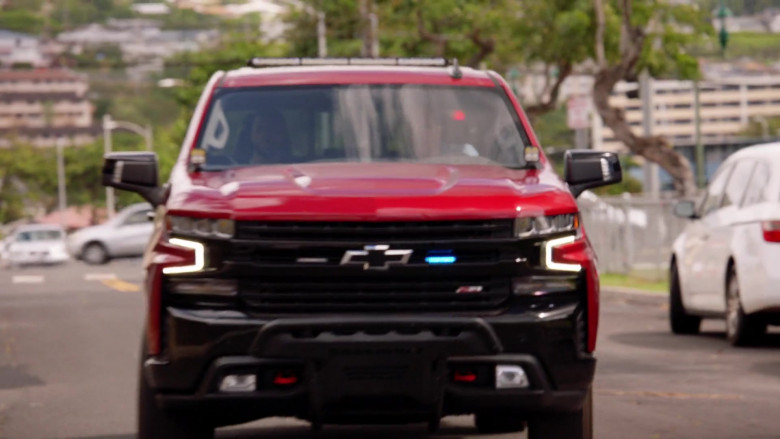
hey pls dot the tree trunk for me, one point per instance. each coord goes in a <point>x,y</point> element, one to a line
<point>654,148</point>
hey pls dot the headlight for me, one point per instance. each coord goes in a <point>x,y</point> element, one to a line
<point>545,225</point>
<point>205,227</point>
<point>195,263</point>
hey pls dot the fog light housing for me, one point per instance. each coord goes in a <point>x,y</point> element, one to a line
<point>511,377</point>
<point>238,383</point>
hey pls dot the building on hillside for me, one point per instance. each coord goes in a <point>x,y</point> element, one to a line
<point>728,105</point>
<point>40,106</point>
<point>151,8</point>
<point>271,13</point>
<point>18,48</point>
<point>139,40</point>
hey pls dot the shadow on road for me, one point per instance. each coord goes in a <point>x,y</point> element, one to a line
<point>665,340</point>
<point>354,432</point>
<point>705,341</point>
<point>111,436</point>
<point>15,377</point>
<point>330,432</point>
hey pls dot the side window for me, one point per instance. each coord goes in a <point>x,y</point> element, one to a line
<point>137,218</point>
<point>735,189</point>
<point>757,186</point>
<point>715,190</point>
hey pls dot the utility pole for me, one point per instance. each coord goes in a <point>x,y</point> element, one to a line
<point>63,202</point>
<point>700,176</point>
<point>374,25</point>
<point>107,126</point>
<point>322,41</point>
<point>652,184</point>
<point>370,25</point>
<point>148,133</point>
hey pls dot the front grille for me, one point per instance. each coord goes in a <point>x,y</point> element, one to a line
<point>374,232</point>
<point>372,294</point>
<point>331,256</point>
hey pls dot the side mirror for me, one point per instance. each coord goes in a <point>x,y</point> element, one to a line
<point>685,209</point>
<point>584,169</point>
<point>134,172</point>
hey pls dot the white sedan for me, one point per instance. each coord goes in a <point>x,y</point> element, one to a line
<point>35,244</point>
<point>725,262</point>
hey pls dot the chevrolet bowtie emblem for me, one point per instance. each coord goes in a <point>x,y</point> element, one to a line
<point>376,257</point>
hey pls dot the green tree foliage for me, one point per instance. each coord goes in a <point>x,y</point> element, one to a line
<point>740,7</point>
<point>188,19</point>
<point>21,20</point>
<point>471,30</point>
<point>28,178</point>
<point>758,129</point>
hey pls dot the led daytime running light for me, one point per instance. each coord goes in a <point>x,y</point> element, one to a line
<point>548,255</point>
<point>200,257</point>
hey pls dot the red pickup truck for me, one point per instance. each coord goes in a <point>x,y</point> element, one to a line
<point>366,241</point>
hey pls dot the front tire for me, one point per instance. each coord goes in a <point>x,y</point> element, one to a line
<point>681,322</point>
<point>156,423</point>
<point>95,254</point>
<point>741,329</point>
<point>574,425</point>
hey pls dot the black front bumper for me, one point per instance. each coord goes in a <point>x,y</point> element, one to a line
<point>359,369</point>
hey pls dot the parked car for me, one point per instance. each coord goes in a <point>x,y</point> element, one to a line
<point>35,244</point>
<point>366,243</point>
<point>125,235</point>
<point>724,264</point>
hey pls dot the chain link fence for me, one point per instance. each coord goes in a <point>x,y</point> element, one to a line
<point>631,234</point>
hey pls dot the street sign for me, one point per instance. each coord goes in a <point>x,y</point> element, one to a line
<point>578,112</point>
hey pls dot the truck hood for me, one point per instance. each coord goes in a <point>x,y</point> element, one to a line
<point>369,191</point>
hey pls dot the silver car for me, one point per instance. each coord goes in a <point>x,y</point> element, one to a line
<point>125,235</point>
<point>34,244</point>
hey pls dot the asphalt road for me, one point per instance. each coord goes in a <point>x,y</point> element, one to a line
<point>69,340</point>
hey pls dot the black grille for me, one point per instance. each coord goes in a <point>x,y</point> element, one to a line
<point>374,232</point>
<point>331,256</point>
<point>357,295</point>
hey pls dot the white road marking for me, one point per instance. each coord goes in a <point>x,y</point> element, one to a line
<point>99,276</point>
<point>19,279</point>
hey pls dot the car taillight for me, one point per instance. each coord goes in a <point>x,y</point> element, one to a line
<point>771,230</point>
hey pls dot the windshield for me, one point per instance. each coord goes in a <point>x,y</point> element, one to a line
<point>363,123</point>
<point>39,235</point>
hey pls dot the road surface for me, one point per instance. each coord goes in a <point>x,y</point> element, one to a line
<point>69,341</point>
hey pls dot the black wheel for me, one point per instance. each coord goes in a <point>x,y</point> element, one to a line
<point>497,423</point>
<point>574,425</point>
<point>680,320</point>
<point>156,423</point>
<point>95,254</point>
<point>741,329</point>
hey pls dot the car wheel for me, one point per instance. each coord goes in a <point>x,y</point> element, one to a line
<point>574,425</point>
<point>741,329</point>
<point>156,423</point>
<point>681,322</point>
<point>95,254</point>
<point>497,423</point>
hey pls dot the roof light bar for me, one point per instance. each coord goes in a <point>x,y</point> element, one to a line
<point>279,62</point>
